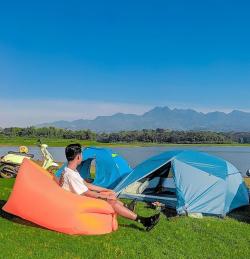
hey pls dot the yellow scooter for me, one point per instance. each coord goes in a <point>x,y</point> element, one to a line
<point>10,163</point>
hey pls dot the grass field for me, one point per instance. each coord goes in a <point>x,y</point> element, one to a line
<point>177,237</point>
<point>17,141</point>
<point>4,141</point>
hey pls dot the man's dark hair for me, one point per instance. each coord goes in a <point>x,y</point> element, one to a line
<point>72,150</point>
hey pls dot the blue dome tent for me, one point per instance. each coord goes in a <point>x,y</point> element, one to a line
<point>110,168</point>
<point>189,181</point>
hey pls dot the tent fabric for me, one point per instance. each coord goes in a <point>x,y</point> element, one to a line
<point>196,196</point>
<point>147,167</point>
<point>37,198</point>
<point>204,183</point>
<point>110,168</point>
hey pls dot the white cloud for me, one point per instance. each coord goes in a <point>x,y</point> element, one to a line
<point>30,112</point>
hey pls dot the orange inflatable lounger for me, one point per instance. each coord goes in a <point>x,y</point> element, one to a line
<point>38,198</point>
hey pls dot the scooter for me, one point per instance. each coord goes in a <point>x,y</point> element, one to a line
<point>48,163</point>
<point>10,163</point>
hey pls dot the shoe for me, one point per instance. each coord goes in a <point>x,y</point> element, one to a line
<point>152,222</point>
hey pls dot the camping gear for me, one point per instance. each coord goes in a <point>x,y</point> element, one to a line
<point>189,181</point>
<point>10,163</point>
<point>110,168</point>
<point>38,198</point>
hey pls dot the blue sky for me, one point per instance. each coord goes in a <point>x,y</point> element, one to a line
<point>80,59</point>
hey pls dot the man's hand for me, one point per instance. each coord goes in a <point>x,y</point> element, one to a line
<point>111,196</point>
<point>107,191</point>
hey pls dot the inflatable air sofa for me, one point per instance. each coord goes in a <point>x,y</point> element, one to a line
<point>38,198</point>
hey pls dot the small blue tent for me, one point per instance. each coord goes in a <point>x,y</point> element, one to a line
<point>110,167</point>
<point>189,181</point>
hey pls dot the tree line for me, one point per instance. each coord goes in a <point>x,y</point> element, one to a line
<point>146,135</point>
<point>48,132</point>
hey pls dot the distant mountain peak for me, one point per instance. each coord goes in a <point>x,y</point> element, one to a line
<point>162,117</point>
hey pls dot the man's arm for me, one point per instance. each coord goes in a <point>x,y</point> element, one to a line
<point>95,188</point>
<point>107,196</point>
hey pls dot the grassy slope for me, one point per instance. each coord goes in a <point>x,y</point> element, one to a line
<point>178,237</point>
<point>17,141</point>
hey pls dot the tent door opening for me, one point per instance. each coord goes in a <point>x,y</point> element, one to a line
<point>159,183</point>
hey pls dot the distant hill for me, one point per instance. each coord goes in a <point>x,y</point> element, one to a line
<point>162,117</point>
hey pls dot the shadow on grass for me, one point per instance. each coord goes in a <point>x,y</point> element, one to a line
<point>15,219</point>
<point>167,212</point>
<point>241,214</point>
<point>4,214</point>
<point>133,226</point>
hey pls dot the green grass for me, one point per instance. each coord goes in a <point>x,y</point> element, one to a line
<point>4,141</point>
<point>178,237</point>
<point>17,141</point>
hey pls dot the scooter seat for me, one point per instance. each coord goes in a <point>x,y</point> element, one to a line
<point>21,154</point>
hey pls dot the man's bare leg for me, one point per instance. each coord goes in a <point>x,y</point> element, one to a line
<point>147,222</point>
<point>121,210</point>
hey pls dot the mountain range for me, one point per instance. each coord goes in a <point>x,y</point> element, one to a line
<point>162,117</point>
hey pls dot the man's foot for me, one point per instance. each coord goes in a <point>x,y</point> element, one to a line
<point>131,205</point>
<point>151,222</point>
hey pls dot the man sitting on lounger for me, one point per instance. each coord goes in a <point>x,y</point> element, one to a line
<point>71,180</point>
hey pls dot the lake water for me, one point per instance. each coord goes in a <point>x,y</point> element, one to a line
<point>238,156</point>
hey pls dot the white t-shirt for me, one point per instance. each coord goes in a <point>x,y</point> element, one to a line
<point>72,181</point>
